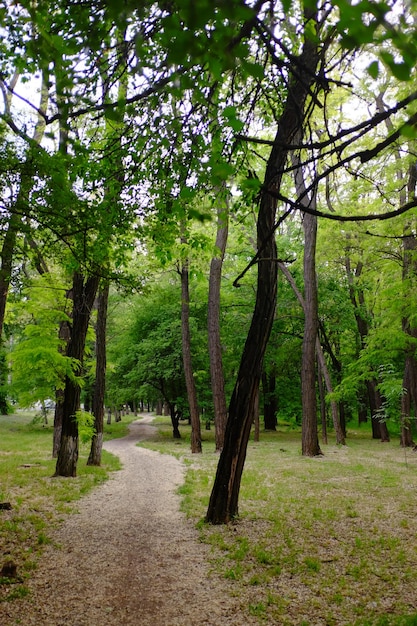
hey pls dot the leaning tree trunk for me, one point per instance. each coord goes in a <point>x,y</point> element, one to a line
<point>84,293</point>
<point>213,323</point>
<point>187,360</point>
<point>100,378</point>
<point>223,505</point>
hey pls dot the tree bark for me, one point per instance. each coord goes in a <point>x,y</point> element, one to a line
<point>322,406</point>
<point>187,360</point>
<point>100,378</point>
<point>84,293</point>
<point>174,421</point>
<point>223,505</point>
<point>6,257</point>
<point>379,426</point>
<point>340,435</point>
<point>309,436</point>
<point>213,323</point>
<point>270,399</point>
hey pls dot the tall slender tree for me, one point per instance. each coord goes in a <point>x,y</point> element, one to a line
<point>223,505</point>
<point>213,323</point>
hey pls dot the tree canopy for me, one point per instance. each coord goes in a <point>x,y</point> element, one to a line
<point>130,134</point>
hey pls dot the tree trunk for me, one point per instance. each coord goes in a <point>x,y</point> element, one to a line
<point>340,433</point>
<point>187,360</point>
<point>223,505</point>
<point>379,426</point>
<point>84,293</point>
<point>174,421</point>
<point>309,434</point>
<point>100,379</point>
<point>309,437</point>
<point>338,428</point>
<point>323,415</point>
<point>64,336</point>
<point>270,399</point>
<point>59,405</point>
<point>213,322</point>
<point>256,420</point>
<point>6,258</point>
<point>406,439</point>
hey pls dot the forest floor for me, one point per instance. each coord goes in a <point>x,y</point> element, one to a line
<point>128,556</point>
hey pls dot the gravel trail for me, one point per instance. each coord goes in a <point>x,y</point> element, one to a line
<point>129,556</point>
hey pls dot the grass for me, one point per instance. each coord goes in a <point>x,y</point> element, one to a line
<point>38,500</point>
<point>329,540</point>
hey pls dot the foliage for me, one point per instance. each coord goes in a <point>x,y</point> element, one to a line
<point>38,362</point>
<point>86,427</point>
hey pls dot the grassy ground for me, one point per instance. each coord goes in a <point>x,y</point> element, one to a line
<point>329,540</point>
<point>38,501</point>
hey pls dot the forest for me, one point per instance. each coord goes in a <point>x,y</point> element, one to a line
<point>209,208</point>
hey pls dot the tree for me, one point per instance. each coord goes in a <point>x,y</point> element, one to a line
<point>147,362</point>
<point>223,505</point>
<point>83,296</point>
<point>100,376</point>
<point>213,323</point>
<point>187,360</point>
<point>310,443</point>
<point>323,369</point>
<point>38,367</point>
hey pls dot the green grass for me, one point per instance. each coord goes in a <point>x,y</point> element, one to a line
<point>329,540</point>
<point>38,500</point>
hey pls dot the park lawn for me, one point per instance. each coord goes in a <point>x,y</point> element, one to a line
<point>38,501</point>
<point>328,540</point>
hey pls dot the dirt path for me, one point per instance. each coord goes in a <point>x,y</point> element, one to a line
<point>129,557</point>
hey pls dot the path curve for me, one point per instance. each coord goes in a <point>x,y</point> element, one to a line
<point>129,557</point>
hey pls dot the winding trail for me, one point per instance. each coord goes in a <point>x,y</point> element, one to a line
<point>129,556</point>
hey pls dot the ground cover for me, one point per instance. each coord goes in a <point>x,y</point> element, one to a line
<point>37,500</point>
<point>327,540</point>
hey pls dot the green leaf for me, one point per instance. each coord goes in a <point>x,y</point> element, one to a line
<point>402,71</point>
<point>254,69</point>
<point>373,69</point>
<point>408,131</point>
<point>114,114</point>
<point>232,120</point>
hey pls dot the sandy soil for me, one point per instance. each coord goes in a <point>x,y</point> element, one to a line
<point>129,556</point>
